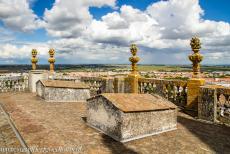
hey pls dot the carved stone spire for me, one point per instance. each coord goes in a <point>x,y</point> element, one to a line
<point>134,59</point>
<point>34,59</point>
<point>134,75</point>
<point>51,59</point>
<point>196,57</point>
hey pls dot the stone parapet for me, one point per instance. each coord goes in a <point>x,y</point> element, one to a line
<point>173,90</point>
<point>214,104</point>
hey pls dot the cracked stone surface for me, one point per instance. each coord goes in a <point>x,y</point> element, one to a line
<point>8,138</point>
<point>46,125</point>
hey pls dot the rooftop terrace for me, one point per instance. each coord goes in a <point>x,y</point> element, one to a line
<point>44,125</point>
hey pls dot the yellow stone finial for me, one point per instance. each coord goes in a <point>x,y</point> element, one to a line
<point>134,75</point>
<point>51,59</point>
<point>134,59</point>
<point>34,59</point>
<point>196,57</point>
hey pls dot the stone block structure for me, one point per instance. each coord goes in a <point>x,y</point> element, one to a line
<point>126,117</point>
<point>62,91</point>
<point>34,76</point>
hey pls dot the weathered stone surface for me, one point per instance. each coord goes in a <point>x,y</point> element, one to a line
<point>61,125</point>
<point>8,138</point>
<point>62,91</point>
<point>126,117</point>
<point>207,103</point>
<point>213,104</point>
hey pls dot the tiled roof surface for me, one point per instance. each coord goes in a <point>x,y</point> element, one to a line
<point>138,102</point>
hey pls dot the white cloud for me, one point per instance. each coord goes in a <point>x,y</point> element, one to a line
<point>70,18</point>
<point>162,32</point>
<point>16,53</point>
<point>17,15</point>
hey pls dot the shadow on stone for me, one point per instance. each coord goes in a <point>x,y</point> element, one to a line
<point>215,136</point>
<point>115,146</point>
<point>84,119</point>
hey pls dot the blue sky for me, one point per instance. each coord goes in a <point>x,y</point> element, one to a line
<point>214,9</point>
<point>84,32</point>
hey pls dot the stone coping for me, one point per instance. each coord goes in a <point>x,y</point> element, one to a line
<point>137,102</point>
<point>64,84</point>
<point>37,71</point>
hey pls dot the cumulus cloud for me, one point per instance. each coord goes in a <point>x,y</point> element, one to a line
<point>122,28</point>
<point>12,51</point>
<point>162,31</point>
<point>17,15</point>
<point>70,18</point>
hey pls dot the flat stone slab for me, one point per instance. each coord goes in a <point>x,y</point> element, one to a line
<point>64,84</point>
<point>62,91</point>
<point>53,125</point>
<point>126,117</point>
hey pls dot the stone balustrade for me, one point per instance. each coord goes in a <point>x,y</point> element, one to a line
<point>214,104</point>
<point>97,84</point>
<point>14,83</point>
<point>173,90</point>
<point>223,105</point>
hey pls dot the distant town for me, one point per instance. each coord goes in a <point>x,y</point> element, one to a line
<point>213,74</point>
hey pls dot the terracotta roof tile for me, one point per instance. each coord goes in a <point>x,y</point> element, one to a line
<point>138,102</point>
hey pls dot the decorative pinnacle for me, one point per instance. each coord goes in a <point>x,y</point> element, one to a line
<point>134,59</point>
<point>51,52</point>
<point>34,60</point>
<point>34,52</point>
<point>196,57</point>
<point>51,59</point>
<point>195,44</point>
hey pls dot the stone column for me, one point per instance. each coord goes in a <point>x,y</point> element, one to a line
<point>119,85</point>
<point>195,82</point>
<point>51,59</point>
<point>34,59</point>
<point>132,79</point>
<point>108,85</point>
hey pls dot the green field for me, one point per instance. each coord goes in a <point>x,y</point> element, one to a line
<point>145,68</point>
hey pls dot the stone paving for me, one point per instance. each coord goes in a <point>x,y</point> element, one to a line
<point>46,125</point>
<point>8,138</point>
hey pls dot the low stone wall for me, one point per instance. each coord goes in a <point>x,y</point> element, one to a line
<point>65,95</point>
<point>14,83</point>
<point>62,91</point>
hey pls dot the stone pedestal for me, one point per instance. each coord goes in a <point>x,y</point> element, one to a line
<point>34,76</point>
<point>131,83</point>
<point>126,117</point>
<point>193,86</point>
